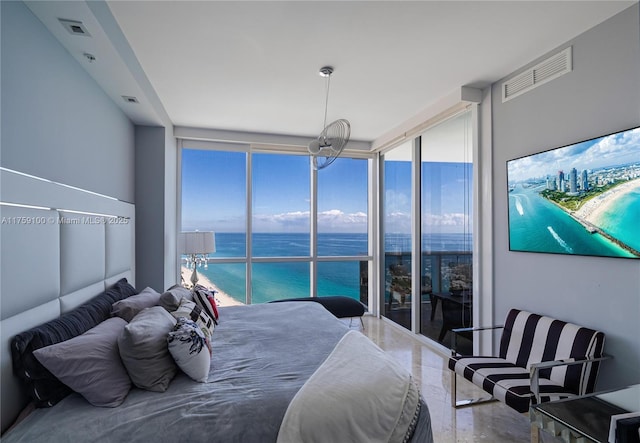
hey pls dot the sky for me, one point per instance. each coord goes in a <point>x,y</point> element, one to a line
<point>612,150</point>
<point>446,197</point>
<point>214,194</point>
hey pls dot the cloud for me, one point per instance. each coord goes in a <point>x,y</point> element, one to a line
<point>396,201</point>
<point>454,222</point>
<point>336,220</point>
<point>397,222</point>
<point>333,220</point>
<point>611,150</point>
<point>295,221</point>
<point>458,220</point>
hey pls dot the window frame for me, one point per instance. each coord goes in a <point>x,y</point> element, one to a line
<point>313,259</point>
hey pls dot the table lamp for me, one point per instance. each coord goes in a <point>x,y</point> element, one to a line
<point>197,245</point>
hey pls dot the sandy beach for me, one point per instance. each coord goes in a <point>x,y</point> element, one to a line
<point>592,210</point>
<point>222,298</point>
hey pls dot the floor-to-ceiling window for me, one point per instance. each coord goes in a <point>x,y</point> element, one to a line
<point>342,226</point>
<point>281,228</point>
<point>439,297</point>
<point>214,198</point>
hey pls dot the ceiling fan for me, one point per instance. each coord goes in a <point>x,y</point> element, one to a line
<point>333,138</point>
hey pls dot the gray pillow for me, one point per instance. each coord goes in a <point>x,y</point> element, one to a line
<point>170,300</point>
<point>144,351</point>
<point>127,308</point>
<point>90,364</point>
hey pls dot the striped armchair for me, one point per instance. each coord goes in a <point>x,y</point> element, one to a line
<point>540,359</point>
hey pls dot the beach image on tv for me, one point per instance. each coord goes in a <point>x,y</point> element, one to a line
<point>581,199</point>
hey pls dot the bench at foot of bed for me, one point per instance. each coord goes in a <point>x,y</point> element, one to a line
<point>338,305</point>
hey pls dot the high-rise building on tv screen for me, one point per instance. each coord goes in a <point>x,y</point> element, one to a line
<point>581,199</point>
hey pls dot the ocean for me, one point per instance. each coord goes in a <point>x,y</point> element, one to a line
<point>537,225</point>
<point>273,281</point>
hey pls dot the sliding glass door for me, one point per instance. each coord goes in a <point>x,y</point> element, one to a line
<point>397,194</point>
<point>432,203</point>
<point>447,229</point>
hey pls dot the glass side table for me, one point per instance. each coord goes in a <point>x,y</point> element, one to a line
<point>583,419</point>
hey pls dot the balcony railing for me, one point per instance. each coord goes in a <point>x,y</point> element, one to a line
<point>445,288</point>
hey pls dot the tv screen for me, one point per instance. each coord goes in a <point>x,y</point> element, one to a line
<point>580,199</point>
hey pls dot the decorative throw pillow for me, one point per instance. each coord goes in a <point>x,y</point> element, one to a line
<point>130,306</point>
<point>144,351</point>
<point>190,310</point>
<point>90,364</point>
<point>190,349</point>
<point>205,299</point>
<point>170,300</point>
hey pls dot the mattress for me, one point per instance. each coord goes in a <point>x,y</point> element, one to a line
<point>262,357</point>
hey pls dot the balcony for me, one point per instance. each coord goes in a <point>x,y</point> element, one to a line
<point>446,292</point>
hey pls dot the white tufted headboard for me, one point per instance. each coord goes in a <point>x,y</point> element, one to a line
<point>60,246</point>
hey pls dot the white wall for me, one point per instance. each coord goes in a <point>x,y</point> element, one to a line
<point>600,96</point>
<point>56,122</point>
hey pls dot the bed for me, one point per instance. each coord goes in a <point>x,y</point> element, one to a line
<point>284,372</point>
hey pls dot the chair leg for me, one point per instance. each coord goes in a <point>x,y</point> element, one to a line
<point>454,376</point>
<point>466,402</point>
<point>361,323</point>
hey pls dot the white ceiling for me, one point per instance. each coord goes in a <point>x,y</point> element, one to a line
<point>253,66</point>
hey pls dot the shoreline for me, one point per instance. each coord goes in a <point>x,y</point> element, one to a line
<point>590,212</point>
<point>222,298</point>
<point>593,209</point>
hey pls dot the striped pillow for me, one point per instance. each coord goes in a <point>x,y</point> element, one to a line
<point>205,299</point>
<point>190,310</point>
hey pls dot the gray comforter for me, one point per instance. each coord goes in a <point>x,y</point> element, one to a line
<point>262,356</point>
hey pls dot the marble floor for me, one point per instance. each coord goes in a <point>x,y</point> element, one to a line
<point>492,422</point>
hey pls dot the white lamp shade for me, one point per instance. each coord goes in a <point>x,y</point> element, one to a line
<point>197,242</point>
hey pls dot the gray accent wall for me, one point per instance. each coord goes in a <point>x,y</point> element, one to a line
<point>601,95</point>
<point>150,213</point>
<point>57,123</point>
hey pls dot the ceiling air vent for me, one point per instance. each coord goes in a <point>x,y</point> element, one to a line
<point>74,27</point>
<point>553,67</point>
<point>130,99</point>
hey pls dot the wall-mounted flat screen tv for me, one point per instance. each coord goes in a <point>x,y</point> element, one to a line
<point>580,199</point>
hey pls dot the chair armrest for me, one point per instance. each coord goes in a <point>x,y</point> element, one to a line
<point>456,331</point>
<point>536,367</point>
